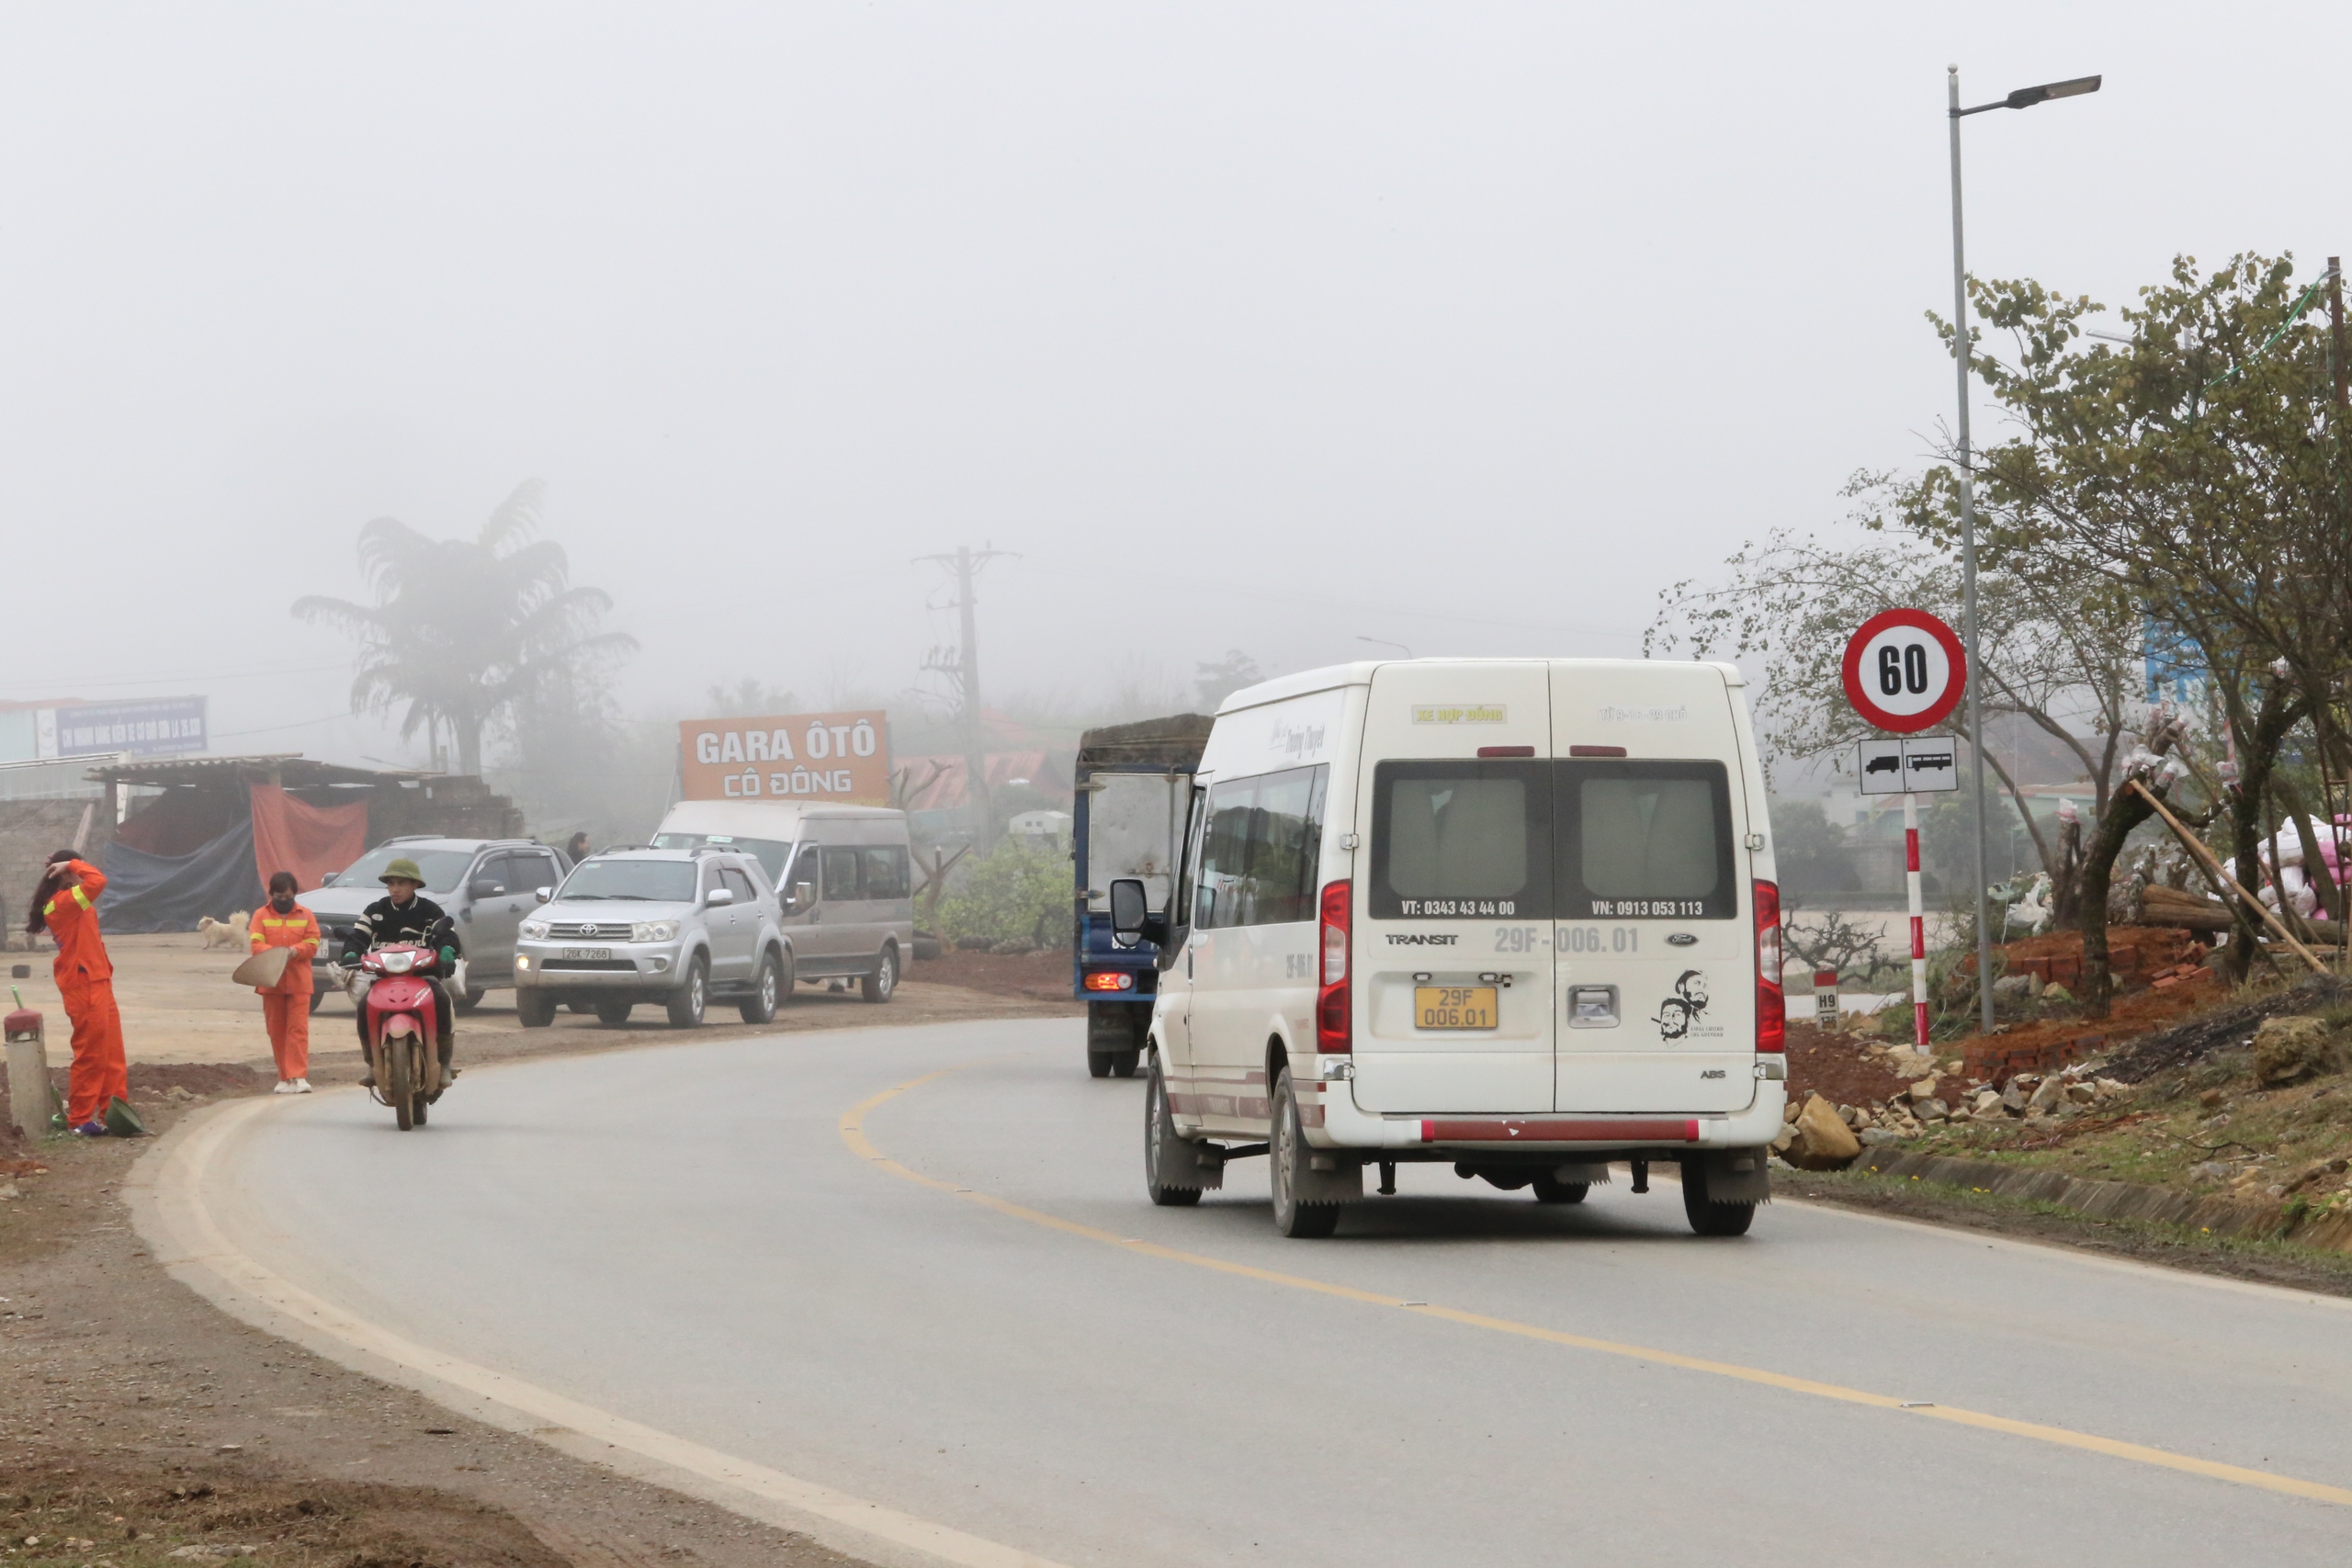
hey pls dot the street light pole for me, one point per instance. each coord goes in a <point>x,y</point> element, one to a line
<point>2024,97</point>
<point>1968,573</point>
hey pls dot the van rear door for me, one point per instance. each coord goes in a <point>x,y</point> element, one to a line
<point>1653,918</point>
<point>1453,935</point>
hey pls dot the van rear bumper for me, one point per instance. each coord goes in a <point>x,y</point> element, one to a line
<point>1347,1127</point>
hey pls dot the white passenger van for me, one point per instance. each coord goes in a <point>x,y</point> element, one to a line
<point>1517,916</point>
<point>842,874</point>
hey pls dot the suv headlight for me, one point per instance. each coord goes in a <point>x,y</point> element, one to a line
<point>653,930</point>
<point>534,931</point>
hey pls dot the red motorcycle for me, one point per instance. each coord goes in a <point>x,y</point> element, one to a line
<point>403,1047</point>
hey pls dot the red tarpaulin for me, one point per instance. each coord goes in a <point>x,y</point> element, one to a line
<point>311,842</point>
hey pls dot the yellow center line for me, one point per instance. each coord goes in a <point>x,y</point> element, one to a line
<point>853,1132</point>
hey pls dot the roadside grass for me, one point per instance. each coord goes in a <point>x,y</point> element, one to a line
<point>2265,1259</point>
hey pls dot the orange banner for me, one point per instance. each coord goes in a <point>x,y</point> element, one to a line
<point>839,757</point>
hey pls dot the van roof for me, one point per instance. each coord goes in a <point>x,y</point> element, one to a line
<point>764,819</point>
<point>1359,672</point>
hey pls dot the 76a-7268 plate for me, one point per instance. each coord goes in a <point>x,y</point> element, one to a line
<point>1454,1007</point>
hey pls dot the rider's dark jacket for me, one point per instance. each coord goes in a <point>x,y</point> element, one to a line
<point>420,922</point>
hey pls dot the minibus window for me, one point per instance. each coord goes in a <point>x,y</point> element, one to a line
<point>1461,839</point>
<point>1263,849</point>
<point>1285,847</point>
<point>1645,838</point>
<point>1196,824</point>
<point>885,873</point>
<point>1224,853</point>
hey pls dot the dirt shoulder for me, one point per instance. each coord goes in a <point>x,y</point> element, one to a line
<point>2261,1261</point>
<point>137,1421</point>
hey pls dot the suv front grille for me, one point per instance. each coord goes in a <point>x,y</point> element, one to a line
<point>590,931</point>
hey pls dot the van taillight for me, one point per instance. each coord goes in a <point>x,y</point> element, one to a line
<point>1772,1005</point>
<point>1333,1032</point>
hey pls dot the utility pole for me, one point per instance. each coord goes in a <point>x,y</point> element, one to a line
<point>964,568</point>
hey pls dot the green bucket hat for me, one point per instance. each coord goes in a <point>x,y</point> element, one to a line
<point>123,1121</point>
<point>405,870</point>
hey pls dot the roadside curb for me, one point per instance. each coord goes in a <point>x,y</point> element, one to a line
<point>163,1191</point>
<point>2112,1199</point>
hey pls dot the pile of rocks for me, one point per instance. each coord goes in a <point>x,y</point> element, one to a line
<point>1822,1136</point>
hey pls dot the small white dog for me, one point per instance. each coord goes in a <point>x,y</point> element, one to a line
<point>230,932</point>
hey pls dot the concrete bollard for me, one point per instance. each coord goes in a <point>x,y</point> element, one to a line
<point>30,1094</point>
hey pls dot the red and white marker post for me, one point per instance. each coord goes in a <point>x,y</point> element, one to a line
<point>1905,671</point>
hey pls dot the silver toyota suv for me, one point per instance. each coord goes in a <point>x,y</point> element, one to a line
<point>677,927</point>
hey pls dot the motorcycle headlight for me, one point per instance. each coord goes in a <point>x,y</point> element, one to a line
<point>534,931</point>
<point>398,963</point>
<point>653,930</point>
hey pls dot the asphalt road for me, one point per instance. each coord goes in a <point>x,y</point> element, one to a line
<point>688,1236</point>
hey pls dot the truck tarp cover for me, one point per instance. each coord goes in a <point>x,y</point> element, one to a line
<point>1154,743</point>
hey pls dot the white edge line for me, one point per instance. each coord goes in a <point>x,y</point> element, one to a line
<point>164,1195</point>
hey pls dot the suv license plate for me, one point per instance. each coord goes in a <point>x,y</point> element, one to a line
<point>587,952</point>
<point>1454,1007</point>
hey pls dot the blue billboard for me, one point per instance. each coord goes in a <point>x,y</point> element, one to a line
<point>144,727</point>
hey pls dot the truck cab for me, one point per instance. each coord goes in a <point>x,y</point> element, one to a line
<point>1133,799</point>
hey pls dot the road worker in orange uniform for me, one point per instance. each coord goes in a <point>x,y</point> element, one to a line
<point>66,905</point>
<point>285,1006</point>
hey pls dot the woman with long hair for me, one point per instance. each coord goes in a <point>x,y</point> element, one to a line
<point>66,905</point>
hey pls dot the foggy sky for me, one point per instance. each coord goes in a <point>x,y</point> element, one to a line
<point>1467,327</point>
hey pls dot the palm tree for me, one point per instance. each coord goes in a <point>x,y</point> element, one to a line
<point>462,629</point>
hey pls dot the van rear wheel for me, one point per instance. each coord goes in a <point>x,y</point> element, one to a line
<point>1708,1217</point>
<point>1288,1162</point>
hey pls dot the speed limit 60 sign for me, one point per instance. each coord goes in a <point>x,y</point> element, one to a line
<point>1904,670</point>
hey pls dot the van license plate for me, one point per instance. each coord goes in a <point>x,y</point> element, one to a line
<point>587,952</point>
<point>1454,1007</point>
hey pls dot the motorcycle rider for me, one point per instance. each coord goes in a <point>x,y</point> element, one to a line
<point>405,918</point>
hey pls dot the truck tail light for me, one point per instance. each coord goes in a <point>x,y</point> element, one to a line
<point>1109,980</point>
<point>1772,1005</point>
<point>1334,1030</point>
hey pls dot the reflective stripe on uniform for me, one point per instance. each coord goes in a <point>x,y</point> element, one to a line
<point>81,898</point>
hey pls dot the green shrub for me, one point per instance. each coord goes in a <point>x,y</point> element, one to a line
<point>1012,894</point>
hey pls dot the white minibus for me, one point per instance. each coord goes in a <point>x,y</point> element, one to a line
<point>1516,916</point>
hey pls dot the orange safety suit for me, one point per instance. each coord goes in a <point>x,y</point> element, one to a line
<point>85,978</point>
<point>286,1005</point>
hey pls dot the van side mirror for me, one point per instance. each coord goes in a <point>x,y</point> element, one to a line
<point>803,895</point>
<point>1130,911</point>
<point>720,895</point>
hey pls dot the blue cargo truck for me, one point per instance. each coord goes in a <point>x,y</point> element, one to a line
<point>1133,799</point>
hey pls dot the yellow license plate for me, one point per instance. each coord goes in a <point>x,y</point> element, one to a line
<point>1454,1007</point>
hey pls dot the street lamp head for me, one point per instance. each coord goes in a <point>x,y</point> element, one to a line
<point>2026,97</point>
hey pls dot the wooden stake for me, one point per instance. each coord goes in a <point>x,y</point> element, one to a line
<point>2205,858</point>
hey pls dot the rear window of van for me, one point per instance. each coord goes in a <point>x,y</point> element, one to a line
<point>1462,839</point>
<point>1645,839</point>
<point>1534,840</point>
